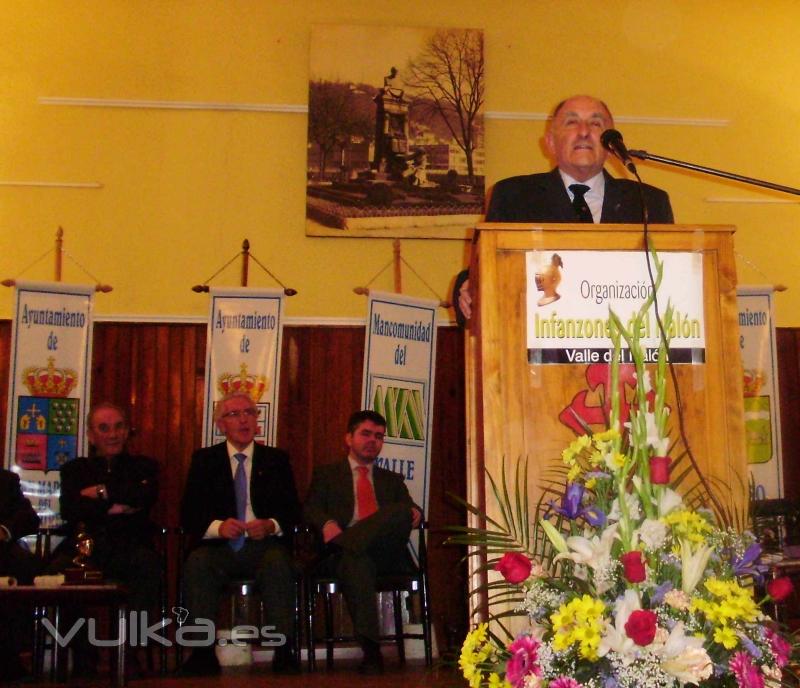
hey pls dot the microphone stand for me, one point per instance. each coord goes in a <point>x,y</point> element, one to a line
<point>644,155</point>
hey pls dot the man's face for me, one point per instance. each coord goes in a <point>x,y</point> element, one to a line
<point>365,442</point>
<point>573,138</point>
<point>108,432</point>
<point>239,421</point>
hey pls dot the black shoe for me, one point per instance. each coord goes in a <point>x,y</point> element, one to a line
<point>202,662</point>
<point>285,661</point>
<point>372,664</point>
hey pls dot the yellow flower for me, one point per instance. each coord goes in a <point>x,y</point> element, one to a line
<point>606,435</point>
<point>573,473</point>
<point>474,651</point>
<point>496,682</point>
<point>579,622</point>
<point>725,636</point>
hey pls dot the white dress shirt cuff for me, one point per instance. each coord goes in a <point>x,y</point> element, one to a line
<point>213,530</point>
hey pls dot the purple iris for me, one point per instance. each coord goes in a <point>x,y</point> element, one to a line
<point>747,564</point>
<point>572,507</point>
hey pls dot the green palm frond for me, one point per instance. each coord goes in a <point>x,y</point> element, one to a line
<point>514,529</point>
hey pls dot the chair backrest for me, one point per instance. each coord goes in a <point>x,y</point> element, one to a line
<point>774,522</point>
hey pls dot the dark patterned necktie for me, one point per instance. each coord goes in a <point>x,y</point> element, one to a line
<point>579,202</point>
<point>240,490</point>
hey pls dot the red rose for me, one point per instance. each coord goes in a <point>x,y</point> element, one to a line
<point>633,567</point>
<point>514,567</point>
<point>641,626</point>
<point>780,588</point>
<point>659,469</point>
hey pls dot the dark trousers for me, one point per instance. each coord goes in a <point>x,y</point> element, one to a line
<point>136,566</point>
<point>16,624</point>
<point>211,568</point>
<point>378,545</point>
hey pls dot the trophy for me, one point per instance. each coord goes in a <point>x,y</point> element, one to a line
<point>83,570</point>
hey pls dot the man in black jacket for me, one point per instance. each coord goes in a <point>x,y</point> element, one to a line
<point>17,519</point>
<point>239,509</point>
<point>365,515</point>
<point>573,140</point>
<point>109,496</point>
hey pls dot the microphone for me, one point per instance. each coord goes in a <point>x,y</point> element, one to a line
<point>612,141</point>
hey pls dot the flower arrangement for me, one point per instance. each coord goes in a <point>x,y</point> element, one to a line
<point>633,576</point>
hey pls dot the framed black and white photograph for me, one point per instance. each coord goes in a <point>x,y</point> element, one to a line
<point>395,132</point>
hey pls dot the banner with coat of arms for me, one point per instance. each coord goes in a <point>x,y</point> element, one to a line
<point>399,371</point>
<point>243,353</point>
<point>761,410</point>
<point>49,380</point>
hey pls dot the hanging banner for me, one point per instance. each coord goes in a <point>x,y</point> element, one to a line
<point>569,295</point>
<point>399,371</point>
<point>243,353</point>
<point>48,390</point>
<point>761,410</point>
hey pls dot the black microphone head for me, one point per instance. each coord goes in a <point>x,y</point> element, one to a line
<point>609,137</point>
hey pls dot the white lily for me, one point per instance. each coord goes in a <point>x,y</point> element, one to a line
<point>615,639</point>
<point>594,552</point>
<point>693,565</point>
<point>668,501</point>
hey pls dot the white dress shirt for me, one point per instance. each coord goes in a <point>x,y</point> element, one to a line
<point>594,196</point>
<point>247,464</point>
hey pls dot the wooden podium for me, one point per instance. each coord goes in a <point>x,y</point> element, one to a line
<point>513,407</point>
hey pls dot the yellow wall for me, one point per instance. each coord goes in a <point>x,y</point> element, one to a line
<point>181,189</point>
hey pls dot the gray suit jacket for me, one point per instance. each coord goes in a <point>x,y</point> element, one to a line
<point>331,498</point>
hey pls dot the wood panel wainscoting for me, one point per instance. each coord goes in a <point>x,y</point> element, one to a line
<point>788,346</point>
<point>157,371</point>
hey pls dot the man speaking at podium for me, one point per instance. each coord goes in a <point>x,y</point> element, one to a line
<point>578,189</point>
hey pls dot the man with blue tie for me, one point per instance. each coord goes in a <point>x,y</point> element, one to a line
<point>239,509</point>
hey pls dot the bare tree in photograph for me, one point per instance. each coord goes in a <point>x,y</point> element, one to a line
<point>448,76</point>
<point>335,118</point>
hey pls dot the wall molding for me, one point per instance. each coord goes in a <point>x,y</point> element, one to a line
<point>745,199</point>
<point>303,109</point>
<point>171,104</point>
<point>52,185</point>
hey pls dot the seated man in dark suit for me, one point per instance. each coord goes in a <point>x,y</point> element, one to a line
<point>17,519</point>
<point>578,189</point>
<point>239,509</point>
<point>365,515</point>
<point>108,496</point>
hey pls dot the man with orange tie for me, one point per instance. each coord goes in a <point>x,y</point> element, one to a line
<point>365,515</point>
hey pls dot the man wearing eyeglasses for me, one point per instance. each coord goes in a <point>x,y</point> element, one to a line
<point>239,508</point>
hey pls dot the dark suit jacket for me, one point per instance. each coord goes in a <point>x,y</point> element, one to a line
<point>16,512</point>
<point>543,198</point>
<point>331,497</point>
<point>209,493</point>
<point>129,479</point>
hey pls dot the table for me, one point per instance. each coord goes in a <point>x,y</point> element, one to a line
<point>65,601</point>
